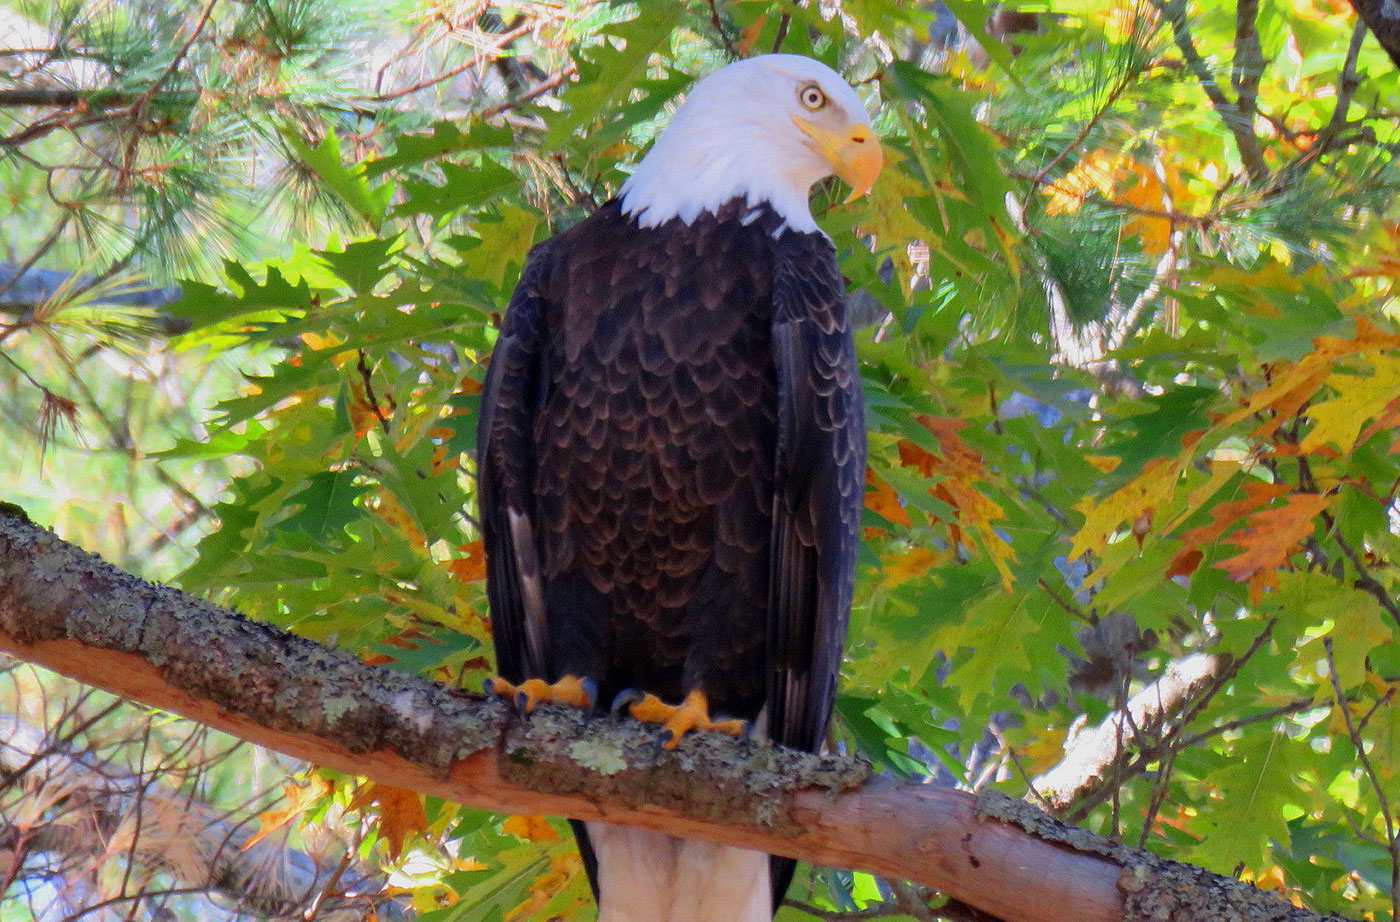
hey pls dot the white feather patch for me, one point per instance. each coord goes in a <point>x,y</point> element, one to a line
<point>522,537</point>
<point>733,137</point>
<point>646,876</point>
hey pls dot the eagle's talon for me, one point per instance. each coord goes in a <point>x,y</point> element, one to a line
<point>677,720</point>
<point>589,689</point>
<point>570,691</point>
<point>739,729</point>
<point>622,701</point>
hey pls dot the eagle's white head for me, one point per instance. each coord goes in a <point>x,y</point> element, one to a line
<point>765,128</point>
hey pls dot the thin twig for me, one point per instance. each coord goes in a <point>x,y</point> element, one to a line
<point>1283,710</point>
<point>1246,142</point>
<point>782,32</point>
<point>503,40</point>
<point>1364,580</point>
<point>729,47</point>
<point>1123,83</point>
<point>1392,846</point>
<point>1347,82</point>
<point>179,58</point>
<point>536,91</point>
<point>373,401</point>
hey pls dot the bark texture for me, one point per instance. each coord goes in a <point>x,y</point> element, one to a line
<point>70,611</point>
<point>1382,17</point>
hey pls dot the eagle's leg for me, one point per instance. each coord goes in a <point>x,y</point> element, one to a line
<point>678,719</point>
<point>570,690</point>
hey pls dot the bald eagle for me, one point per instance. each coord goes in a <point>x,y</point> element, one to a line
<point>671,455</point>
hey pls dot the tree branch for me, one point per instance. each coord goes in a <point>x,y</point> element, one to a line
<point>197,844</point>
<point>70,611</point>
<point>1239,123</point>
<point>1095,754</point>
<point>1382,17</point>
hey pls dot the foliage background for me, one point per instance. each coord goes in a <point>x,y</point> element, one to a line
<point>1128,289</point>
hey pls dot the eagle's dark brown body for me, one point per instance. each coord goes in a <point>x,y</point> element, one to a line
<point>671,459</point>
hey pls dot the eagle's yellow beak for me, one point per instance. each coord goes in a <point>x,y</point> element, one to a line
<point>854,154</point>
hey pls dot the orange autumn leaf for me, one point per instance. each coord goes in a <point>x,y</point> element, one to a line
<point>1154,187</point>
<point>955,459</point>
<point>915,562</point>
<point>400,814</point>
<point>1292,386</point>
<point>1146,187</point>
<point>534,828</point>
<point>1271,535</point>
<point>296,799</point>
<point>1368,338</point>
<point>882,499</point>
<point>749,34</point>
<point>1257,493</point>
<point>960,466</point>
<point>1260,582</point>
<point>1184,562</point>
<point>472,567</point>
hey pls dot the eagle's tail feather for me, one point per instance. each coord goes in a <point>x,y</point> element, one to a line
<point>646,876</point>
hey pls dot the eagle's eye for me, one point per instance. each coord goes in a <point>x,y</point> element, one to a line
<point>812,96</point>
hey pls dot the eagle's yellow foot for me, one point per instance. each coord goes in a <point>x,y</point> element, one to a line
<point>570,690</point>
<point>678,719</point>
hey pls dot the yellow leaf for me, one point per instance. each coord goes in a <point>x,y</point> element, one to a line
<point>426,899</point>
<point>534,828</point>
<point>1095,171</point>
<point>1359,398</point>
<point>562,868</point>
<point>297,798</point>
<point>1045,749</point>
<point>1104,463</point>
<point>1151,488</point>
<point>389,509</point>
<point>460,617</point>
